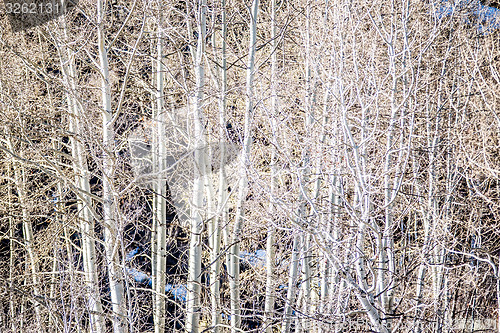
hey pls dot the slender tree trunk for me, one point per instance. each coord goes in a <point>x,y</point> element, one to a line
<point>386,268</point>
<point>20,181</point>
<point>155,142</point>
<point>222,212</point>
<point>292,282</point>
<point>323,269</point>
<point>270,256</point>
<point>234,264</point>
<point>12,254</point>
<point>310,101</point>
<point>497,285</point>
<point>422,267</point>
<point>11,185</point>
<point>160,190</point>
<point>194,273</point>
<point>82,182</point>
<point>356,163</point>
<point>111,224</point>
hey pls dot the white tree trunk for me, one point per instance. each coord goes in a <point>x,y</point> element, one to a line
<point>111,224</point>
<point>160,201</point>
<point>292,281</point>
<point>222,209</point>
<point>20,181</point>
<point>234,265</point>
<point>82,182</point>
<point>270,256</point>
<point>194,270</point>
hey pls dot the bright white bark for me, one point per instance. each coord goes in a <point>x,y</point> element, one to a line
<point>222,209</point>
<point>82,182</point>
<point>270,256</point>
<point>20,181</point>
<point>111,224</point>
<point>160,201</point>
<point>319,301</point>
<point>234,265</point>
<point>355,159</point>
<point>194,270</point>
<point>310,101</point>
<point>292,282</point>
<point>428,217</point>
<point>330,218</point>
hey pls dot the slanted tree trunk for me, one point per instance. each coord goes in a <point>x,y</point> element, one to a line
<point>82,183</point>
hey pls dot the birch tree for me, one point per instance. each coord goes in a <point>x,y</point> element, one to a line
<point>368,169</point>
<point>82,182</point>
<point>20,180</point>
<point>110,221</point>
<point>234,267</point>
<point>270,253</point>
<point>221,219</point>
<point>194,274</point>
<point>160,218</point>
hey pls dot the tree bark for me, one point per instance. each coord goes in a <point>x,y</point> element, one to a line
<point>194,271</point>
<point>270,251</point>
<point>160,186</point>
<point>234,265</point>
<point>111,224</point>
